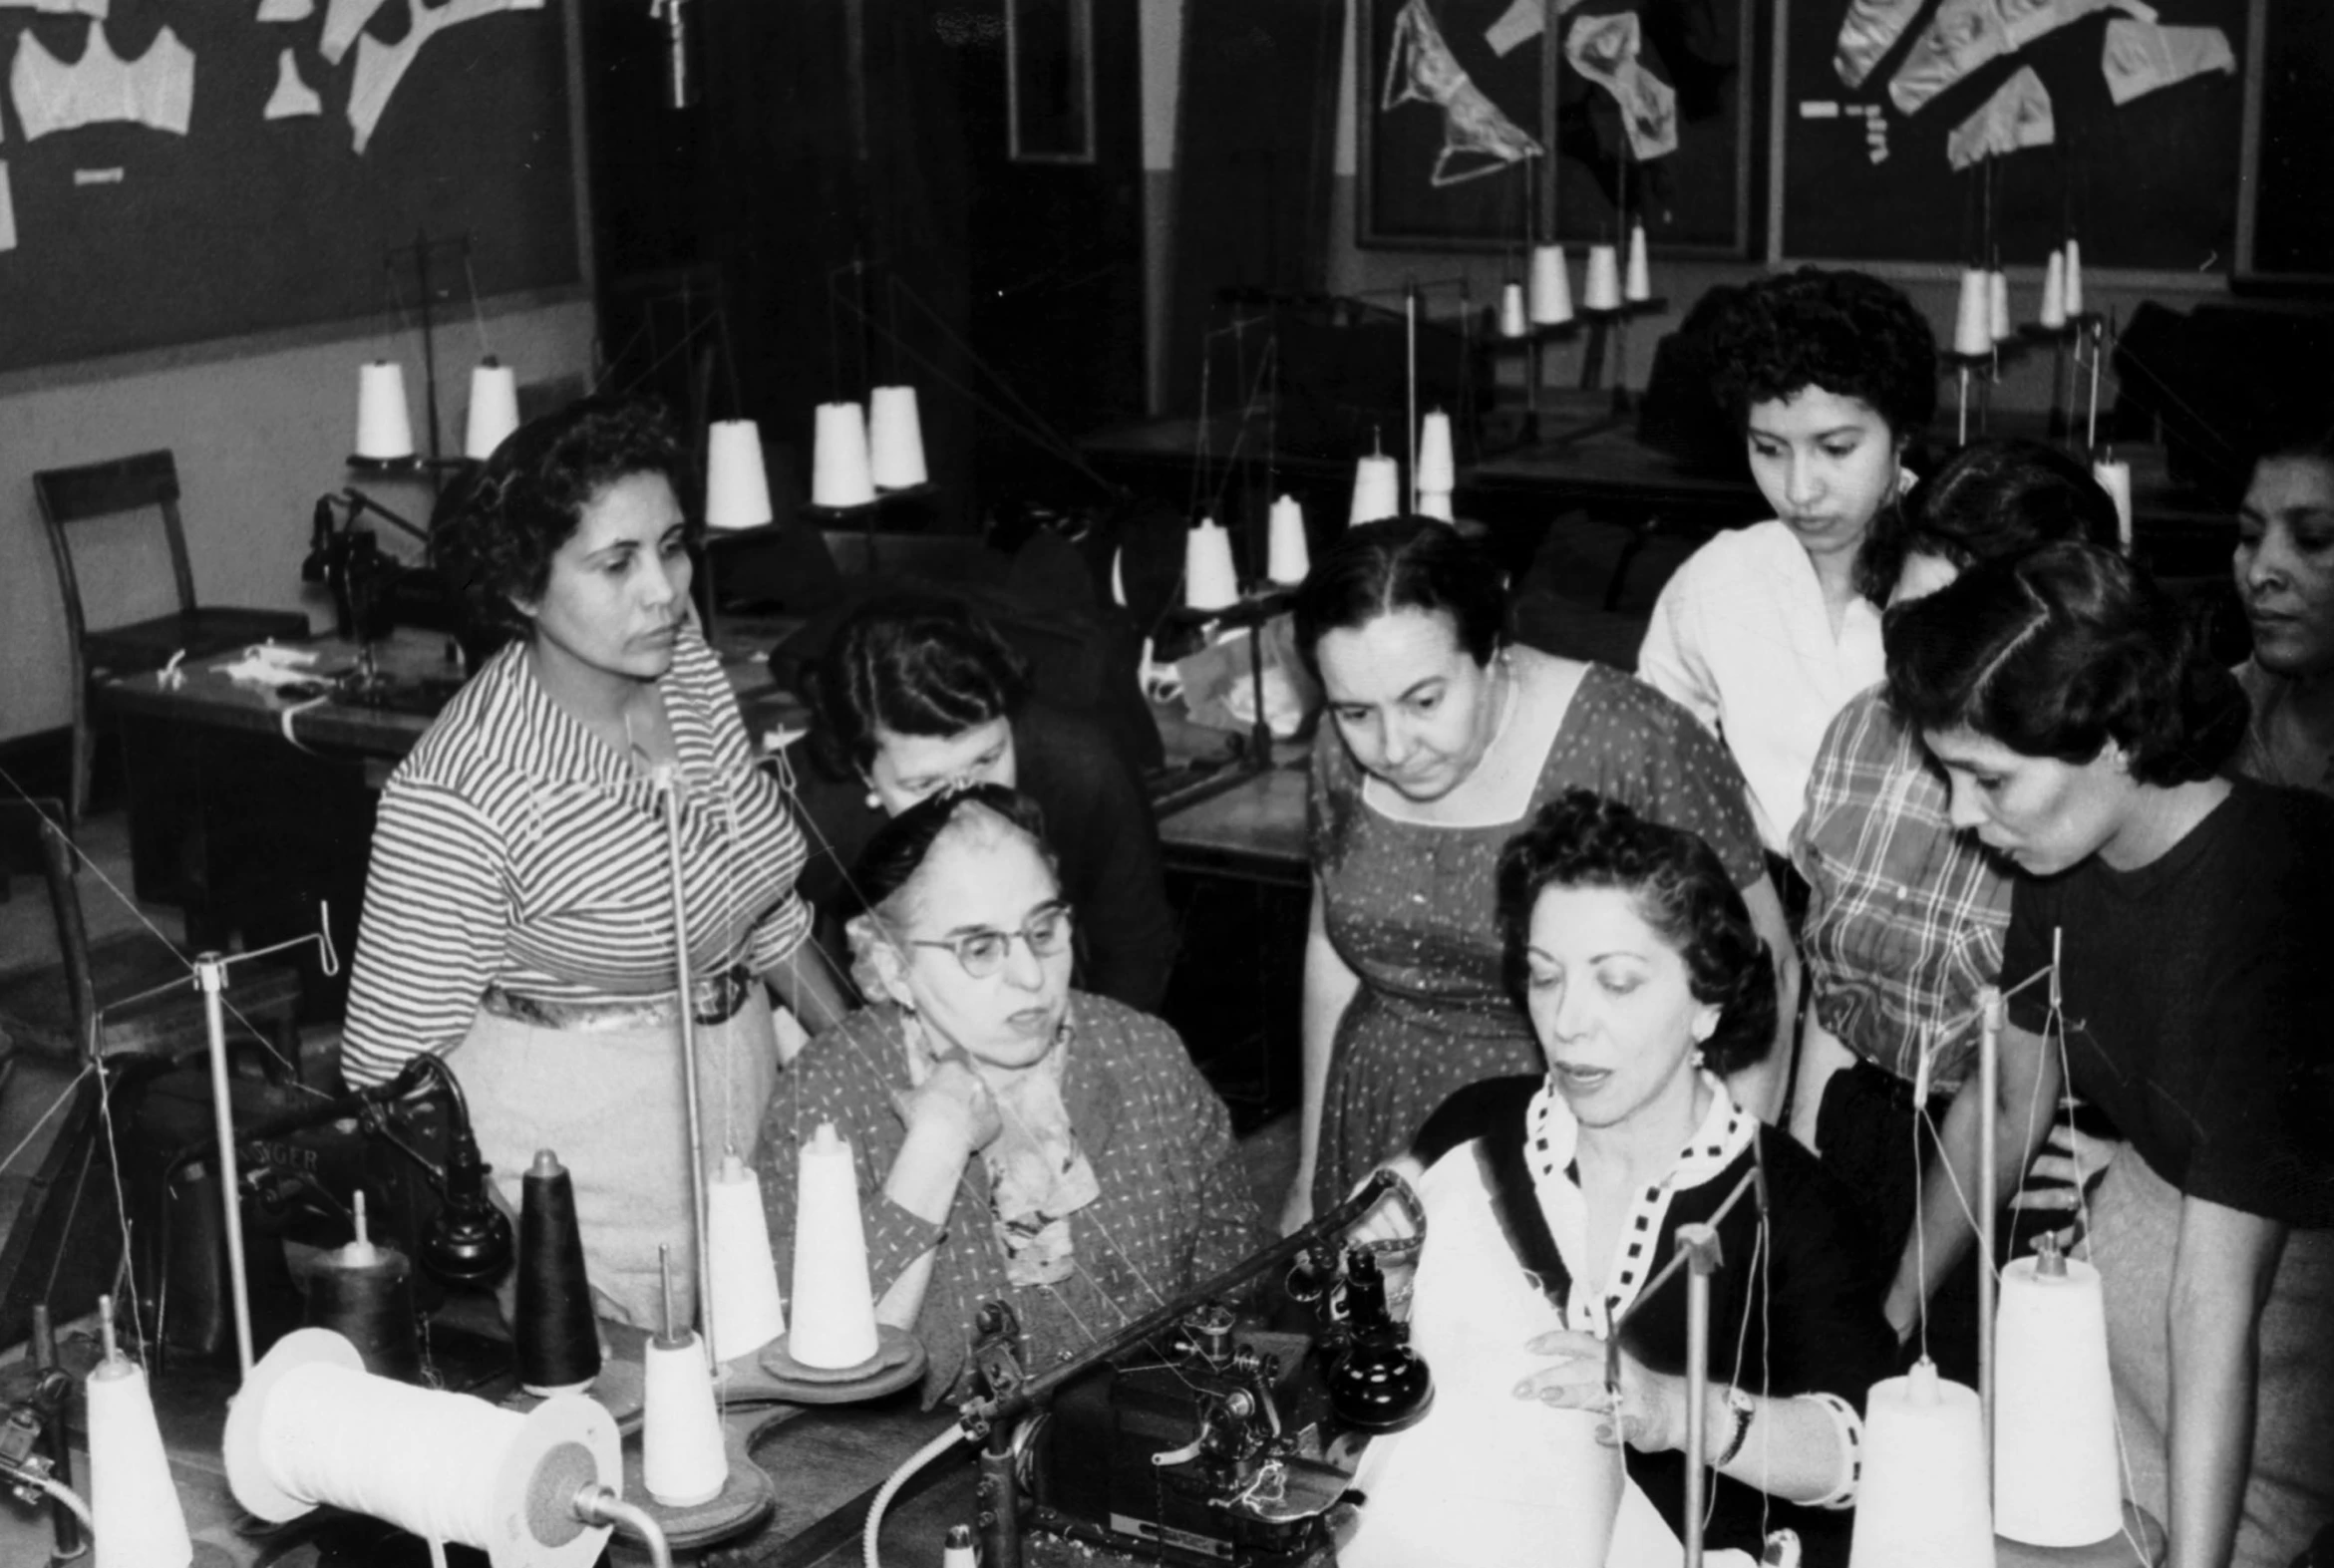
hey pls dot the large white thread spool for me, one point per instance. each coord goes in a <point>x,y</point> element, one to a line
<point>1376,490</point>
<point>312,1428</point>
<point>1438,465</point>
<point>1924,1499</point>
<point>2057,1479</point>
<point>737,485</point>
<point>1999,327</point>
<point>1973,316</point>
<point>2054,291</point>
<point>1211,582</point>
<point>1287,560</point>
<point>1551,287</point>
<point>842,473</point>
<point>2114,477</point>
<point>682,1462</point>
<point>747,1311</point>
<point>2073,278</point>
<point>1512,323</point>
<point>897,440</point>
<point>494,407</point>
<point>834,1307</point>
<point>385,427</point>
<point>1602,288</point>
<point>132,1502</point>
<point>1637,285</point>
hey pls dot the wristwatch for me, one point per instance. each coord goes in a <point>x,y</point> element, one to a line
<point>1739,1402</point>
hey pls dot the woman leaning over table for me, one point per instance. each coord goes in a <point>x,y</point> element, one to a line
<point>2082,727</point>
<point>1766,631</point>
<point>1442,737</point>
<point>518,918</point>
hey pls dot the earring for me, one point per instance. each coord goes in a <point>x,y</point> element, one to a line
<point>875,802</point>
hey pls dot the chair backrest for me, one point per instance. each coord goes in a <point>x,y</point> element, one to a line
<point>34,829</point>
<point>109,489</point>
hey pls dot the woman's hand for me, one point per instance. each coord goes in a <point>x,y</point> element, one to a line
<point>1652,1415</point>
<point>953,1097</point>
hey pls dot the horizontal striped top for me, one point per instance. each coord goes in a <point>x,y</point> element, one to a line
<point>515,847</point>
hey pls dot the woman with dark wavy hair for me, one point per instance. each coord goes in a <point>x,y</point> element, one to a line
<point>917,693</point>
<point>2083,732</point>
<point>1552,1200</point>
<point>1766,631</point>
<point>517,916</point>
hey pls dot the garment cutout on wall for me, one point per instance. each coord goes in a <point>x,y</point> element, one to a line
<point>1521,24</point>
<point>87,8</point>
<point>2017,115</point>
<point>1608,50</point>
<point>7,210</point>
<point>1421,70</point>
<point>157,89</point>
<point>286,10</point>
<point>380,65</point>
<point>1967,34</point>
<point>1868,31</point>
<point>293,97</point>
<point>2137,59</point>
<point>342,23</point>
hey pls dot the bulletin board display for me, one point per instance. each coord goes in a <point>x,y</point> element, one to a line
<point>201,218</point>
<point>1448,114</point>
<point>2126,132</point>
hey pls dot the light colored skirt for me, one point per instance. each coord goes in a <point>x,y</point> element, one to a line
<point>2289,1492</point>
<point>609,1103</point>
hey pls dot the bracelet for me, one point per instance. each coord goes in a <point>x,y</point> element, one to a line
<point>1739,1402</point>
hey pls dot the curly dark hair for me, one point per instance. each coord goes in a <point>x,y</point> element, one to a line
<point>1991,498</point>
<point>2055,653</point>
<point>1847,332</point>
<point>494,546</point>
<point>1403,563</point>
<point>1681,889</point>
<point>912,664</point>
<point>897,851</point>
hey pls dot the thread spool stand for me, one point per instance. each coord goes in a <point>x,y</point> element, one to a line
<point>1609,329</point>
<point>2064,344</point>
<point>745,1496</point>
<point>1257,605</point>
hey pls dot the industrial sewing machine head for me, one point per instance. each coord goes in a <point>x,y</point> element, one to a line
<point>1200,1434</point>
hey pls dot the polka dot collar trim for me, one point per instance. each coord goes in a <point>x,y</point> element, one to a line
<point>1551,1139</point>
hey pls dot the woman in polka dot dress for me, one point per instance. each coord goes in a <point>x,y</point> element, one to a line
<point>1444,738</point>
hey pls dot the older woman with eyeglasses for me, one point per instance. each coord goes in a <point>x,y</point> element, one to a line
<point>1015,1140</point>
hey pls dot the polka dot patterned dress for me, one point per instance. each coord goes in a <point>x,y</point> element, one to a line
<point>1411,909</point>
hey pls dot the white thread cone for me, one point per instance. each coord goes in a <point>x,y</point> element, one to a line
<point>897,440</point>
<point>1511,319</point>
<point>1999,327</point>
<point>747,1311</point>
<point>1973,320</point>
<point>681,1459</point>
<point>2074,280</point>
<point>1288,558</point>
<point>1925,1499</point>
<point>1551,287</point>
<point>1639,285</point>
<point>1376,490</point>
<point>494,407</point>
<point>2054,291</point>
<point>834,1306</point>
<point>1602,291</point>
<point>2115,478</point>
<point>1209,580</point>
<point>737,485</point>
<point>1438,469</point>
<point>842,473</point>
<point>133,1501</point>
<point>2057,1481</point>
<point>1437,504</point>
<point>385,427</point>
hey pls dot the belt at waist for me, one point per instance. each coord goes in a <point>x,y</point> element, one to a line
<point>717,999</point>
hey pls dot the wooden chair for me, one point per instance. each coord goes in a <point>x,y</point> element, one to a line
<point>56,1007</point>
<point>104,489</point>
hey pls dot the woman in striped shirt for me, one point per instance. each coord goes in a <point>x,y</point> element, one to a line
<point>519,913</point>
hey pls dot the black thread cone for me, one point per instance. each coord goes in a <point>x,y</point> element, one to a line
<point>371,1305</point>
<point>559,1339</point>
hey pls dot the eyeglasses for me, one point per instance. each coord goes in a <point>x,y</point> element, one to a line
<point>983,953</point>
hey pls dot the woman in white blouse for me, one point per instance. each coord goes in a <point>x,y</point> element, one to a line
<point>1766,632</point>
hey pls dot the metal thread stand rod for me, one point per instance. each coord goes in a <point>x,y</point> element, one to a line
<point>1700,1242</point>
<point>210,975</point>
<point>1989,1077</point>
<point>667,783</point>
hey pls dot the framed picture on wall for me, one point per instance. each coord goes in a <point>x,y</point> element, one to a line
<point>1458,148</point>
<point>1897,131</point>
